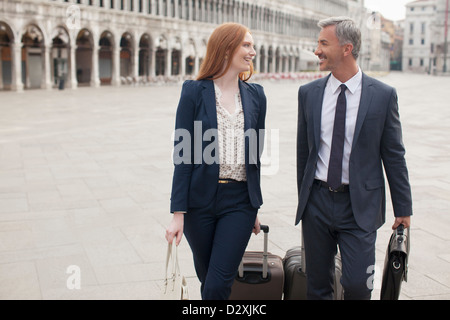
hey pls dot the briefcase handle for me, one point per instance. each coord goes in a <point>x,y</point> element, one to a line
<point>400,232</point>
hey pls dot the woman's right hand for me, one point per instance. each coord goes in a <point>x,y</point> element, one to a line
<point>175,229</point>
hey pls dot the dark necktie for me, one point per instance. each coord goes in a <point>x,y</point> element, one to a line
<point>334,179</point>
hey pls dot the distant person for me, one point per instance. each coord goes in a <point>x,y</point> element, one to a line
<point>216,189</point>
<point>348,129</point>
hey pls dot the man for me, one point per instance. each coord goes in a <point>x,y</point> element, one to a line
<point>340,179</point>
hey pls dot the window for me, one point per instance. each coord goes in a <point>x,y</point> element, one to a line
<point>411,41</point>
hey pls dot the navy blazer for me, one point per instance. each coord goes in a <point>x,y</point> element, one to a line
<point>195,178</point>
<point>377,142</point>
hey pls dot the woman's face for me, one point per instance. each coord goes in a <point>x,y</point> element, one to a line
<point>243,57</point>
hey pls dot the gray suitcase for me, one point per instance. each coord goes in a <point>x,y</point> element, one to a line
<point>295,275</point>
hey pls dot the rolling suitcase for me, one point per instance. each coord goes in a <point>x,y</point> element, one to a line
<point>295,275</point>
<point>260,275</point>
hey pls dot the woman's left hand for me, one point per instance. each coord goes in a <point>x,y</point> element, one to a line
<point>257,227</point>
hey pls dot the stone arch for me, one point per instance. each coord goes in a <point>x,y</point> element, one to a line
<point>6,54</point>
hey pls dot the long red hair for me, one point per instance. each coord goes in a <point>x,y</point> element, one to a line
<point>222,46</point>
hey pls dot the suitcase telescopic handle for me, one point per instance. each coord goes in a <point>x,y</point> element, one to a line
<point>265,229</point>
<point>265,271</point>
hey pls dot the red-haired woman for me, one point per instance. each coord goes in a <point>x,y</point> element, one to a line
<point>216,189</point>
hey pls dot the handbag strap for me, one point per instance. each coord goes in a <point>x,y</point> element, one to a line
<point>172,255</point>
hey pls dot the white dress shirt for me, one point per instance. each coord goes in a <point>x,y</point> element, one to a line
<point>353,96</point>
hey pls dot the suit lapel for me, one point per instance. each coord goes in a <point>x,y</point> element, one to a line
<point>247,104</point>
<point>317,108</point>
<point>209,99</point>
<point>366,99</point>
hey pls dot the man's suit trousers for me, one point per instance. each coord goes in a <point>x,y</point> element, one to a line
<point>328,222</point>
<point>218,236</point>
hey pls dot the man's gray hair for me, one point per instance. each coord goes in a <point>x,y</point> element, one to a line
<point>346,31</point>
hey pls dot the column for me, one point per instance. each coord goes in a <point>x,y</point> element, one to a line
<point>182,66</point>
<point>16,52</point>
<point>177,9</point>
<point>196,64</point>
<point>153,63</point>
<point>266,62</point>
<point>188,11</point>
<point>46,82</point>
<point>95,81</point>
<point>135,63</point>
<point>116,64</point>
<point>145,5</point>
<point>161,8</point>
<point>168,71</point>
<point>72,76</point>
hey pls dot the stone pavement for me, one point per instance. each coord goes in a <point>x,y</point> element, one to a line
<point>85,179</point>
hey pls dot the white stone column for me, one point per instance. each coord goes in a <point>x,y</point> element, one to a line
<point>135,62</point>
<point>46,82</point>
<point>153,62</point>
<point>95,81</point>
<point>168,70</point>
<point>16,52</point>
<point>116,65</point>
<point>72,76</point>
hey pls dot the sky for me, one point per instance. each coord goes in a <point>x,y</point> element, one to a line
<point>390,9</point>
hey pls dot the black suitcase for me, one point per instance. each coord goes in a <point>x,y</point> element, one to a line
<point>295,275</point>
<point>260,275</point>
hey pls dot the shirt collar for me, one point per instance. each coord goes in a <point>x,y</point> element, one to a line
<point>352,84</point>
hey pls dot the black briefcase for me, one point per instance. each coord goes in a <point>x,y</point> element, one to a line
<point>396,264</point>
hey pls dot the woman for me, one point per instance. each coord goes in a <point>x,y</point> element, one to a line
<point>216,189</point>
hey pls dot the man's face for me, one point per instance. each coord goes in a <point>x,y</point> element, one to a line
<point>329,51</point>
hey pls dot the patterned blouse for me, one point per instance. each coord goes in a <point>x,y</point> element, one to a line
<point>231,139</point>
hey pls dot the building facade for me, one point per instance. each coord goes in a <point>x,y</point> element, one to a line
<point>425,46</point>
<point>48,43</point>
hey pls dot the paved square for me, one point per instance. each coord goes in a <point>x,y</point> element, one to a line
<point>85,178</point>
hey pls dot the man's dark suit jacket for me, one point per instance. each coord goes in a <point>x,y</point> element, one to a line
<point>195,182</point>
<point>377,142</point>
